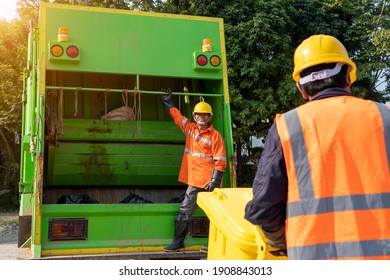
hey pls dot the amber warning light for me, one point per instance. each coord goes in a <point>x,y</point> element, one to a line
<point>207,60</point>
<point>58,51</point>
<point>215,60</point>
<point>207,46</point>
<point>62,34</point>
<point>63,50</point>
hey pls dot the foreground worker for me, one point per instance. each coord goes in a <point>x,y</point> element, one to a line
<point>322,188</point>
<point>203,164</point>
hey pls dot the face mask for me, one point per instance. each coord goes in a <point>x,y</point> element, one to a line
<point>202,120</point>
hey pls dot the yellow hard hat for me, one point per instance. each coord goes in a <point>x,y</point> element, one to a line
<point>319,49</point>
<point>202,107</point>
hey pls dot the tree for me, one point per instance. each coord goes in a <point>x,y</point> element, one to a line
<point>258,47</point>
<point>261,37</point>
<point>13,54</point>
<point>11,86</point>
<point>113,4</point>
<point>368,40</point>
<point>137,5</point>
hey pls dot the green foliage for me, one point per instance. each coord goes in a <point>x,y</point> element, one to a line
<point>10,78</point>
<point>28,12</point>
<point>369,44</point>
<point>137,5</point>
<point>13,45</point>
<point>4,192</point>
<point>261,36</point>
<point>113,4</point>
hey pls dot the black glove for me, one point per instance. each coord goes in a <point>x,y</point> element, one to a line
<point>216,178</point>
<point>167,98</point>
<point>275,238</point>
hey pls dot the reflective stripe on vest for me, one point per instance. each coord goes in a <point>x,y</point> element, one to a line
<point>198,155</point>
<point>183,123</point>
<point>200,138</point>
<point>301,161</point>
<point>385,113</point>
<point>345,250</point>
<point>312,201</point>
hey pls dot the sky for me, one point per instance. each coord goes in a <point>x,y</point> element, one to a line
<point>8,9</point>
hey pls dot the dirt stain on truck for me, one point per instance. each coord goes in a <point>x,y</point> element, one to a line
<point>96,164</point>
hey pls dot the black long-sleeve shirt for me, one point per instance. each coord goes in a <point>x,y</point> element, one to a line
<point>270,185</point>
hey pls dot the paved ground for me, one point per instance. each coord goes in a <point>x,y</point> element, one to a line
<point>8,251</point>
<point>8,236</point>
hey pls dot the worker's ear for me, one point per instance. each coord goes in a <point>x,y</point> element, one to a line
<point>348,77</point>
<point>348,80</point>
<point>304,94</point>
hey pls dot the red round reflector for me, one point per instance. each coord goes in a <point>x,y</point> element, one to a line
<point>72,51</point>
<point>201,60</point>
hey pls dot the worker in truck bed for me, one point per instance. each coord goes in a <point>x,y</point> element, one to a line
<point>322,188</point>
<point>203,164</point>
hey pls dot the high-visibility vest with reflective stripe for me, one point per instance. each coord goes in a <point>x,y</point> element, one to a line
<point>337,154</point>
<point>203,152</point>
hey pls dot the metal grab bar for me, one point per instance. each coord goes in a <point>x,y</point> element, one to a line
<point>129,90</point>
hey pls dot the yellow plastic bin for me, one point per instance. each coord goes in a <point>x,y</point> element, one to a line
<point>231,237</point>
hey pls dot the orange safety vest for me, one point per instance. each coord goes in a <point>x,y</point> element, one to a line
<point>337,154</point>
<point>203,152</point>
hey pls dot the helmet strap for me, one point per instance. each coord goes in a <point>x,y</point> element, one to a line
<point>322,74</point>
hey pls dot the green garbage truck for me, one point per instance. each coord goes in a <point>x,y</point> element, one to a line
<point>100,155</point>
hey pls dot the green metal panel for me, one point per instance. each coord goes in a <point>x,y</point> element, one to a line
<point>131,42</point>
<point>84,164</point>
<point>118,225</point>
<point>100,130</point>
<point>139,156</point>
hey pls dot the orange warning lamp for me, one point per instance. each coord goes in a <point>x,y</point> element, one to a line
<point>63,51</point>
<point>63,34</point>
<point>206,60</point>
<point>207,47</point>
<point>56,50</point>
